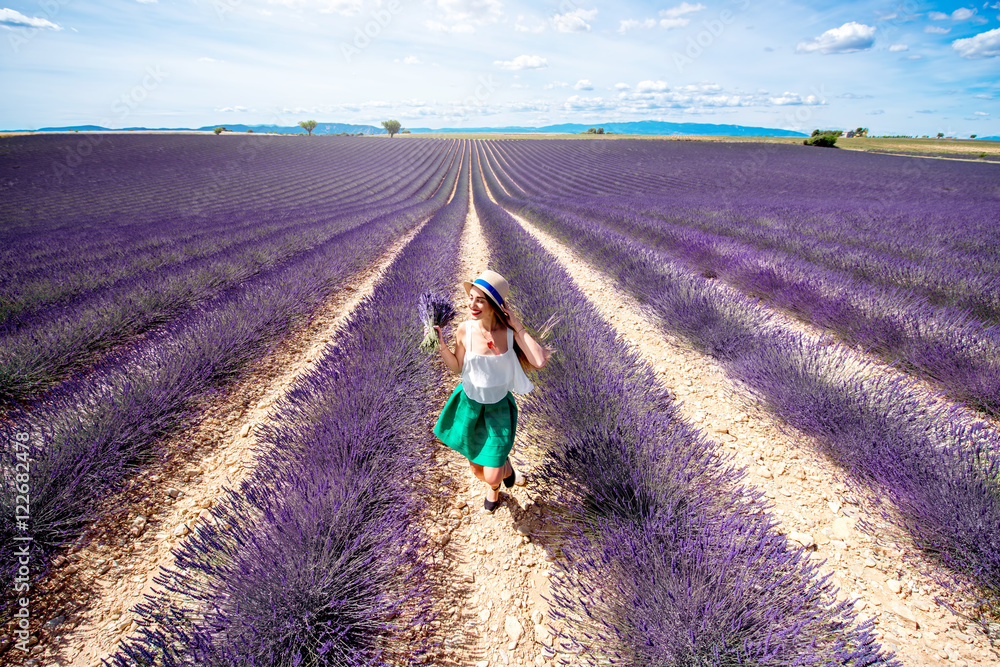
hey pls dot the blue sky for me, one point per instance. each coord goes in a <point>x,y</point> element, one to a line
<point>895,67</point>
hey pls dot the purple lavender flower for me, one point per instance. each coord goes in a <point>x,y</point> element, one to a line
<point>434,310</point>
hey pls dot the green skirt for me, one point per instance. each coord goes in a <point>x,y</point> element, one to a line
<point>484,434</point>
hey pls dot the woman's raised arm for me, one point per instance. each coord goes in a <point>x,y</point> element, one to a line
<point>535,353</point>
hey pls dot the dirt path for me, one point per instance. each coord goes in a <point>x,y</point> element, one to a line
<point>490,571</point>
<point>103,581</point>
<point>886,579</point>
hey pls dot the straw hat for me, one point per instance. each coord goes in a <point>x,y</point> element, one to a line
<point>493,285</point>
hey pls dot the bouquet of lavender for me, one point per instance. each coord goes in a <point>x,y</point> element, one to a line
<point>434,310</point>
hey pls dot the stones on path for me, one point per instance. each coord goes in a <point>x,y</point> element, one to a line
<point>804,539</point>
<point>138,525</point>
<point>514,630</point>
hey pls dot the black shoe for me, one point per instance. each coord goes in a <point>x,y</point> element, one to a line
<point>491,505</point>
<point>514,478</point>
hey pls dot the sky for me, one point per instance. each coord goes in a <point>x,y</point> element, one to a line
<point>897,68</point>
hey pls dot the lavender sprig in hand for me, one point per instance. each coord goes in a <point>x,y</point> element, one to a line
<point>435,310</point>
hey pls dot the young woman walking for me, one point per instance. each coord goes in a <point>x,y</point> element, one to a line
<point>492,351</point>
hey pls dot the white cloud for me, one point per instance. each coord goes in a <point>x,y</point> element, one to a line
<point>231,109</point>
<point>464,16</point>
<point>622,86</point>
<point>983,45</point>
<point>556,84</point>
<point>520,25</point>
<point>960,14</point>
<point>10,18</point>
<point>674,17</point>
<point>146,2</point>
<point>574,21</point>
<point>578,103</point>
<point>669,18</point>
<point>937,30</point>
<point>981,113</point>
<point>522,62</point>
<point>795,98</point>
<point>847,38</point>
<point>681,10</point>
<point>412,60</point>
<point>584,84</point>
<point>632,24</point>
<point>651,87</point>
<point>650,96</point>
<point>899,47</point>
<point>487,11</point>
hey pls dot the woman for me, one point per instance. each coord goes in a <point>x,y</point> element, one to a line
<point>492,351</point>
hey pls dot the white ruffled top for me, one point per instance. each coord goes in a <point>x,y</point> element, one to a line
<point>486,378</point>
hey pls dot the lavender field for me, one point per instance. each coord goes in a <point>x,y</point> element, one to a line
<point>855,297</point>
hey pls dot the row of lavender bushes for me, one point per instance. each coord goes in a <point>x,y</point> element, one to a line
<point>94,430</point>
<point>315,559</point>
<point>156,175</point>
<point>878,298</point>
<point>875,218</point>
<point>669,559</point>
<point>931,470</point>
<point>71,253</point>
<point>943,344</point>
<point>883,204</point>
<point>62,338</point>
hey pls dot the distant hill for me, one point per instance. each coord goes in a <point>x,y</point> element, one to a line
<point>321,128</point>
<point>636,127</point>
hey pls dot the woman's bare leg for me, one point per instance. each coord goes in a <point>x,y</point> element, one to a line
<point>493,477</point>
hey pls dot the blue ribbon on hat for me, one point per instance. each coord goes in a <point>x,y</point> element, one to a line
<point>489,288</point>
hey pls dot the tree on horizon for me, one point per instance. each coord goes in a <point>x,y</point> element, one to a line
<point>308,126</point>
<point>391,126</point>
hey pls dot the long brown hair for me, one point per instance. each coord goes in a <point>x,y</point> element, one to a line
<point>540,336</point>
<point>521,357</point>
